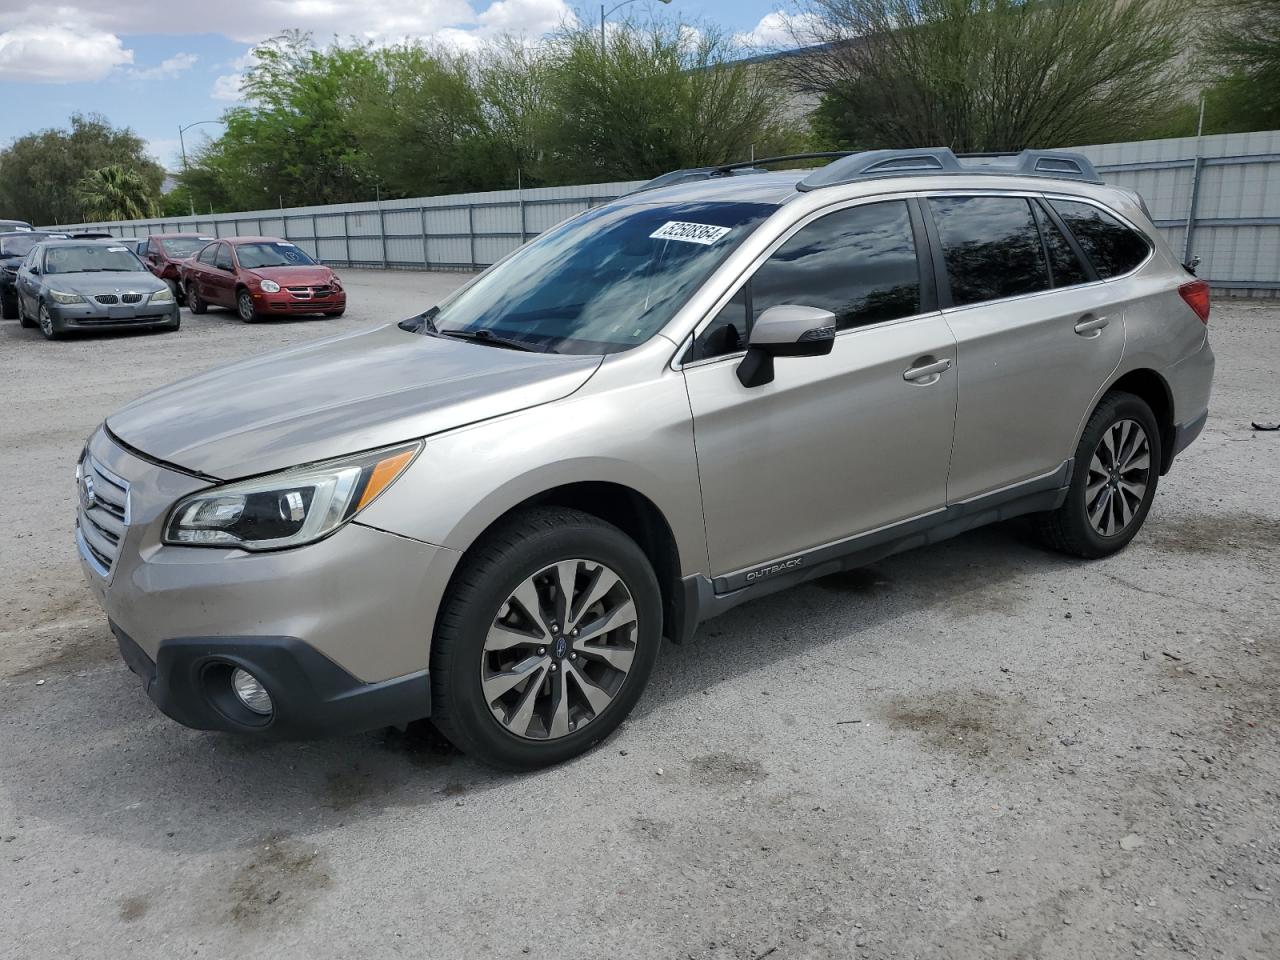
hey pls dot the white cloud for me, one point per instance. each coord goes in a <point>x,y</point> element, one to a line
<point>778,31</point>
<point>166,152</point>
<point>179,63</point>
<point>525,17</point>
<point>227,87</point>
<point>59,54</point>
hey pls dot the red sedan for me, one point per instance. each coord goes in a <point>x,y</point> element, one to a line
<point>162,253</point>
<point>260,276</point>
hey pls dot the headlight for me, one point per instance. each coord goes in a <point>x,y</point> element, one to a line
<point>270,286</point>
<point>337,283</point>
<point>60,297</point>
<point>162,296</point>
<point>286,509</point>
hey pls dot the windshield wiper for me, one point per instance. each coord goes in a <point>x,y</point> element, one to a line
<point>487,338</point>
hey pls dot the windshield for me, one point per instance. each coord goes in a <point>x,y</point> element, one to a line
<point>20,244</point>
<point>9,226</point>
<point>276,253</point>
<point>600,283</point>
<point>91,258</point>
<point>181,247</point>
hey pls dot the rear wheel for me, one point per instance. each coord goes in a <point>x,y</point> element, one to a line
<point>194,300</point>
<point>245,308</point>
<point>1113,482</point>
<point>546,639</point>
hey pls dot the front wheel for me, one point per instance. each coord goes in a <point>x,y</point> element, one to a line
<point>244,307</point>
<point>546,639</point>
<point>47,327</point>
<point>1113,481</point>
<point>23,319</point>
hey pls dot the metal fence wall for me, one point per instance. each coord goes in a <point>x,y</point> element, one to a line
<point>1215,197</point>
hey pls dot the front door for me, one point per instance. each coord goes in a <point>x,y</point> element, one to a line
<point>1037,338</point>
<point>835,445</point>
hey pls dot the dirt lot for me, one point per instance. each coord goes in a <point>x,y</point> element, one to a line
<point>978,750</point>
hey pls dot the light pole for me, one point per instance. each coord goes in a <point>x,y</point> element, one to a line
<point>183,144</point>
<point>603,14</point>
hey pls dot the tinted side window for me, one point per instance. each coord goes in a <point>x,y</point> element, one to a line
<point>859,263</point>
<point>1111,246</point>
<point>727,331</point>
<point>207,254</point>
<point>991,247</point>
<point>224,257</point>
<point>1064,266</point>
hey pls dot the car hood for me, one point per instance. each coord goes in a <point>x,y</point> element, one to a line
<point>91,284</point>
<point>298,276</point>
<point>337,396</point>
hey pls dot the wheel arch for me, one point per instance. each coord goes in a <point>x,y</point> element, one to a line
<point>634,514</point>
<point>1154,390</point>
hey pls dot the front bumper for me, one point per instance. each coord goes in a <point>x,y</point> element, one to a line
<point>339,631</point>
<point>190,681</point>
<point>96,316</point>
<point>285,302</point>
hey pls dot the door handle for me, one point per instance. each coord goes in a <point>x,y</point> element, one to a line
<point>924,372</point>
<point>1089,324</point>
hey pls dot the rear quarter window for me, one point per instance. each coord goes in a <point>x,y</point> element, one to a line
<point>1112,247</point>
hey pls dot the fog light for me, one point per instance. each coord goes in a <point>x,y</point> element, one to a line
<point>251,693</point>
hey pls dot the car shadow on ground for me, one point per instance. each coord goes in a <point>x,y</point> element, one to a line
<point>129,772</point>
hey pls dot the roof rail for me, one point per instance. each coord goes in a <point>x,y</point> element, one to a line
<point>731,169</point>
<point>871,164</point>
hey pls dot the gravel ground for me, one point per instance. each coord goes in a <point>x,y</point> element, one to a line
<point>975,750</point>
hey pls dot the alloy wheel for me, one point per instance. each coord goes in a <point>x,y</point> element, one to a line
<point>246,307</point>
<point>46,321</point>
<point>1119,472</point>
<point>559,649</point>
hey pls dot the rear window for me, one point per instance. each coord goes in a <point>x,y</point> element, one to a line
<point>1112,247</point>
<point>991,247</point>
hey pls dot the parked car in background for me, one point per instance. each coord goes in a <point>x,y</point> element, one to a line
<point>162,252</point>
<point>14,248</point>
<point>92,235</point>
<point>662,408</point>
<point>260,276</point>
<point>12,226</point>
<point>66,285</point>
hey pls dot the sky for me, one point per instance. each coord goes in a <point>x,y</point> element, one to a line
<point>155,65</point>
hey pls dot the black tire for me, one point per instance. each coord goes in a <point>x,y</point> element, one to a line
<point>1068,529</point>
<point>531,541</point>
<point>9,307</point>
<point>245,309</point>
<point>47,326</point>
<point>195,301</point>
<point>176,289</point>
<point>23,319</point>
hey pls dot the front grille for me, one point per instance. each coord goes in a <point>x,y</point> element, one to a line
<point>311,293</point>
<point>103,514</point>
<point>107,298</point>
<point>131,298</point>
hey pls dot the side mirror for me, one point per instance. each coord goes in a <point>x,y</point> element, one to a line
<point>789,330</point>
<point>35,270</point>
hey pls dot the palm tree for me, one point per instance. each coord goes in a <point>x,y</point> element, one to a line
<point>116,193</point>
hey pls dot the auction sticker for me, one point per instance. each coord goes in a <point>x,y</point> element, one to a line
<point>703,233</point>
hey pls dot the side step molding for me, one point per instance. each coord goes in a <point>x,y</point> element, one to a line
<point>705,598</point>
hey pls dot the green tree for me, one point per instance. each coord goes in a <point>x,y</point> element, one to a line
<point>41,174</point>
<point>514,83</point>
<point>1246,49</point>
<point>293,141</point>
<point>659,97</point>
<point>116,193</point>
<point>419,122</point>
<point>980,75</point>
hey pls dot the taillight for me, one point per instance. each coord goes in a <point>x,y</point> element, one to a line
<point>1196,294</point>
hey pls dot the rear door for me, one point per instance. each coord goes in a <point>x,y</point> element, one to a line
<point>1036,332</point>
<point>839,444</point>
